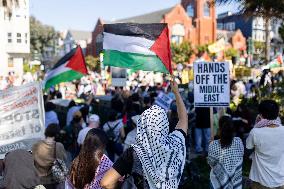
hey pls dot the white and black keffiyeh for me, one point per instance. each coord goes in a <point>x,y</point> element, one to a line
<point>226,164</point>
<point>162,154</point>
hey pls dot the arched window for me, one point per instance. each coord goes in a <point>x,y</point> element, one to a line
<point>99,44</point>
<point>190,10</point>
<point>206,9</point>
<point>178,33</point>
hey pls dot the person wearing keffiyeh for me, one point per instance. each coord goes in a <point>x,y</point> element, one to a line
<point>225,157</point>
<point>157,154</point>
<point>267,141</point>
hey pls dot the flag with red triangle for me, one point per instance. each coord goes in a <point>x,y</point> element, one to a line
<point>70,67</point>
<point>137,46</point>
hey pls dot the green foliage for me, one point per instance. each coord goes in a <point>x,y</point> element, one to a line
<point>181,53</point>
<point>42,36</point>
<point>32,69</point>
<point>231,52</point>
<point>93,63</point>
<point>281,31</point>
<point>202,49</point>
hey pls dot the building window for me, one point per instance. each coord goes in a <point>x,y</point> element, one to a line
<point>176,39</point>
<point>206,9</point>
<point>10,62</point>
<point>19,39</point>
<point>190,10</point>
<point>26,38</point>
<point>220,26</point>
<point>10,38</point>
<point>99,43</point>
<point>178,33</point>
<point>230,26</point>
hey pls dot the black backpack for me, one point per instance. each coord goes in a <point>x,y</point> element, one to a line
<point>110,133</point>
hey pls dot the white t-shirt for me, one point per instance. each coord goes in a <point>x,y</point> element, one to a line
<point>268,157</point>
<point>130,138</point>
<point>82,135</point>
<point>51,117</point>
<point>112,124</point>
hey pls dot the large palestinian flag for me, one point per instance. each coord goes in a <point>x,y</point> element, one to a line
<point>72,66</point>
<point>137,46</point>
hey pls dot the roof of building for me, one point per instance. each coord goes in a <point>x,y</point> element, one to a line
<point>80,35</point>
<point>152,17</point>
<point>227,35</point>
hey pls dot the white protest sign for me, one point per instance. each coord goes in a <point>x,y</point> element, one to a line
<point>21,117</point>
<point>164,101</point>
<point>211,84</point>
<point>118,77</point>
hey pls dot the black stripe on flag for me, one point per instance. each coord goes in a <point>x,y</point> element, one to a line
<point>65,58</point>
<point>148,31</point>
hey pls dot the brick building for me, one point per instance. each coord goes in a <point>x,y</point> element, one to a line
<point>192,20</point>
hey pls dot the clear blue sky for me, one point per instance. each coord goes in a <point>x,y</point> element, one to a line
<point>83,14</point>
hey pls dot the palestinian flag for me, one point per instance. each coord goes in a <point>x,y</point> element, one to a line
<point>72,66</point>
<point>137,46</point>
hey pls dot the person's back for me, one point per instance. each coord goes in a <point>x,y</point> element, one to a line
<point>268,157</point>
<point>20,172</point>
<point>225,157</point>
<point>50,115</point>
<point>91,164</point>
<point>157,158</point>
<point>45,152</point>
<point>267,141</point>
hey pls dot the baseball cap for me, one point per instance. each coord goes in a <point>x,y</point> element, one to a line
<point>94,118</point>
<point>135,119</point>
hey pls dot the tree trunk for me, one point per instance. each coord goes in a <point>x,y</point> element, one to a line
<point>267,40</point>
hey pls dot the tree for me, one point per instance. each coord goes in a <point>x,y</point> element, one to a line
<point>181,53</point>
<point>42,36</point>
<point>201,49</point>
<point>266,9</point>
<point>93,63</point>
<point>231,52</point>
<point>281,31</point>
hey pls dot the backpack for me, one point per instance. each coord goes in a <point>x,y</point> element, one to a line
<point>110,133</point>
<point>59,169</point>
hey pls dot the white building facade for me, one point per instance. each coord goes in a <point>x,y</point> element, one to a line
<point>14,38</point>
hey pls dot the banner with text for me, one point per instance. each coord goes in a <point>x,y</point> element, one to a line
<point>21,117</point>
<point>211,84</point>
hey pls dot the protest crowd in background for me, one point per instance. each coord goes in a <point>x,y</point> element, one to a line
<point>135,129</point>
<point>132,139</point>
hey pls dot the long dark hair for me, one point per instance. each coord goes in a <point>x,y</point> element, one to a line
<point>84,167</point>
<point>226,129</point>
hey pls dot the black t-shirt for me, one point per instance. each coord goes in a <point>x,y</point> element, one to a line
<point>124,163</point>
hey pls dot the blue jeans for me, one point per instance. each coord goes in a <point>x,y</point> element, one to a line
<point>202,135</point>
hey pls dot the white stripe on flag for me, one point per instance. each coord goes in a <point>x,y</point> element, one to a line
<point>129,44</point>
<point>56,71</point>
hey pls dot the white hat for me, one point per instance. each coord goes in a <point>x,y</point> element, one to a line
<point>94,118</point>
<point>135,119</point>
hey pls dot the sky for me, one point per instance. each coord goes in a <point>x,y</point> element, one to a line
<point>83,14</point>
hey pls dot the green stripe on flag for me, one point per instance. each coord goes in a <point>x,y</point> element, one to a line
<point>63,77</point>
<point>133,61</point>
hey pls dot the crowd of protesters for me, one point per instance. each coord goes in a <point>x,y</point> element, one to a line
<point>141,145</point>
